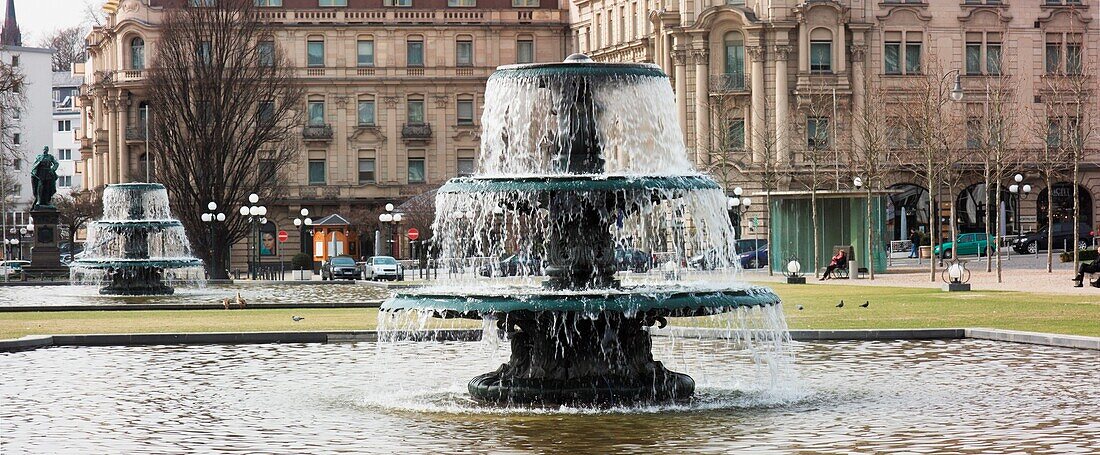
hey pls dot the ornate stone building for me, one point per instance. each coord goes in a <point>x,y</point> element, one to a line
<point>393,91</point>
<point>743,69</point>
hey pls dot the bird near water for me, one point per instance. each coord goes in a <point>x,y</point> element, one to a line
<point>297,318</point>
<point>840,305</point>
<point>799,307</point>
<point>240,301</point>
<point>866,304</point>
<point>225,303</point>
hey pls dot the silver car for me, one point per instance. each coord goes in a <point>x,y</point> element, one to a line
<point>381,268</point>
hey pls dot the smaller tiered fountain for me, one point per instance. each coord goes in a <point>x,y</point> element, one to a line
<point>137,248</point>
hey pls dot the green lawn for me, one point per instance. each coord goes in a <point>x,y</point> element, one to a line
<point>889,308</point>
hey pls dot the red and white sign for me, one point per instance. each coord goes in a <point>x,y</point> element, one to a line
<point>413,234</point>
<point>283,236</point>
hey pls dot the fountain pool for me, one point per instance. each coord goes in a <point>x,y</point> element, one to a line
<point>89,295</point>
<point>967,396</point>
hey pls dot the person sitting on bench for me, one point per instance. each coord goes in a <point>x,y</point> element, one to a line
<point>1086,267</point>
<point>840,261</point>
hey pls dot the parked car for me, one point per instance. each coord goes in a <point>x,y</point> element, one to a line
<point>1033,242</point>
<point>340,267</point>
<point>965,244</point>
<point>514,265</point>
<point>631,259</point>
<point>380,268</point>
<point>13,268</point>
<point>754,259</point>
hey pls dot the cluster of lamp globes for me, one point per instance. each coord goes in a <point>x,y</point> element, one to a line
<point>22,231</point>
<point>737,200</point>
<point>389,216</point>
<point>1015,188</point>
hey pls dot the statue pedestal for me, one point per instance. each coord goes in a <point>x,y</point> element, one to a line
<point>46,256</point>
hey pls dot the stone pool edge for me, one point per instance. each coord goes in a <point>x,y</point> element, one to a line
<point>146,339</point>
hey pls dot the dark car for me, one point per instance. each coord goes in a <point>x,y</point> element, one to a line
<point>754,259</point>
<point>340,267</point>
<point>1033,242</point>
<point>514,265</point>
<point>709,259</point>
<point>636,261</point>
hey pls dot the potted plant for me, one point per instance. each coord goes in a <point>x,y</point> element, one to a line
<point>303,267</point>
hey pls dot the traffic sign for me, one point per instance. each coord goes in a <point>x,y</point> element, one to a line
<point>413,234</point>
<point>283,236</point>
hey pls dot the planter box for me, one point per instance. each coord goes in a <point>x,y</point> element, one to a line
<point>925,252</point>
<point>301,275</point>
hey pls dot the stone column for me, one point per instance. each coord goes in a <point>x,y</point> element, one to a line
<point>782,103</point>
<point>679,60</point>
<point>702,107</point>
<point>803,48</point>
<point>123,150</point>
<point>756,53</point>
<point>841,52</point>
<point>110,165</point>
<point>858,89</point>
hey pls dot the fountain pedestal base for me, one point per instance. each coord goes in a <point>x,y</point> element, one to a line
<point>137,281</point>
<point>566,358</point>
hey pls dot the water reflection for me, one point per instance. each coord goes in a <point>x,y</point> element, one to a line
<point>962,396</point>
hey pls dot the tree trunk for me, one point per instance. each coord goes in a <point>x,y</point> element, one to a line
<point>988,221</point>
<point>933,227</point>
<point>1000,228</point>
<point>768,210</point>
<point>813,212</point>
<point>1050,225</point>
<point>870,237</point>
<point>1076,213</point>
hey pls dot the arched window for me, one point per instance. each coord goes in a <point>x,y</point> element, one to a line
<point>137,53</point>
<point>821,50</point>
<point>734,45</point>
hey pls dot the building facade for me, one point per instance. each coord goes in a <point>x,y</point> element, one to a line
<point>393,93</point>
<point>66,122</point>
<point>743,69</point>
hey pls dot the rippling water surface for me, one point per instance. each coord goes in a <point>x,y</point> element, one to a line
<point>921,396</point>
<point>252,292</point>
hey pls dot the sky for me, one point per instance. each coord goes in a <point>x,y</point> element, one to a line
<point>38,18</point>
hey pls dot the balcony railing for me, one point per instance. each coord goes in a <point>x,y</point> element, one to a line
<point>395,72</point>
<point>416,131</point>
<point>135,133</point>
<point>403,16</point>
<point>729,82</point>
<point>317,132</point>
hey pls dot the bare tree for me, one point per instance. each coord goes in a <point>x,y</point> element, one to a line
<point>868,152</point>
<point>225,117</point>
<point>818,151</point>
<point>923,116</point>
<point>76,210</point>
<point>1050,160</point>
<point>67,45</point>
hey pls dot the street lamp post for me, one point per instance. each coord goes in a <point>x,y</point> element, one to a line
<point>1022,192</point>
<point>390,220</point>
<point>304,223</point>
<point>738,206</point>
<point>211,217</point>
<point>257,216</point>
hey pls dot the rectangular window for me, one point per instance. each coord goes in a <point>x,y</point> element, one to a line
<point>993,59</point>
<point>821,56</point>
<point>1054,58</point>
<point>64,125</point>
<point>269,2</point>
<point>465,112</point>
<point>465,167</point>
<point>973,133</point>
<point>912,57</point>
<point>525,51</point>
<point>892,58</point>
<point>366,113</point>
<point>316,113</point>
<point>973,58</point>
<point>265,52</point>
<point>316,172</point>
<point>416,112</point>
<point>414,53</point>
<point>736,136</point>
<point>265,113</point>
<point>397,3</point>
<point>17,163</point>
<point>1054,133</point>
<point>15,60</point>
<point>366,170</point>
<point>462,3</point>
<point>204,53</point>
<point>17,139</point>
<point>416,170</point>
<point>365,53</point>
<point>332,2</point>
<point>525,3</point>
<point>817,133</point>
<point>64,181</point>
<point>267,172</point>
<point>315,53</point>
<point>464,53</point>
<point>1073,58</point>
<point>64,154</point>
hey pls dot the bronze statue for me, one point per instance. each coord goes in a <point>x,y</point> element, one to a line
<point>44,178</point>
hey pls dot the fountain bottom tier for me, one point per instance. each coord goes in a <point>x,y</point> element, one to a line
<point>146,280</point>
<point>571,358</point>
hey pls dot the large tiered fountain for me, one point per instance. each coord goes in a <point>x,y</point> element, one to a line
<point>137,248</point>
<point>580,159</point>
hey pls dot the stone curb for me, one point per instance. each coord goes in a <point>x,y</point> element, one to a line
<point>197,306</point>
<point>145,339</point>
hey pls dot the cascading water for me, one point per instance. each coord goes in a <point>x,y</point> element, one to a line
<point>137,248</point>
<point>580,164</point>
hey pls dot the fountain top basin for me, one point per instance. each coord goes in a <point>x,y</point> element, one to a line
<point>569,182</point>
